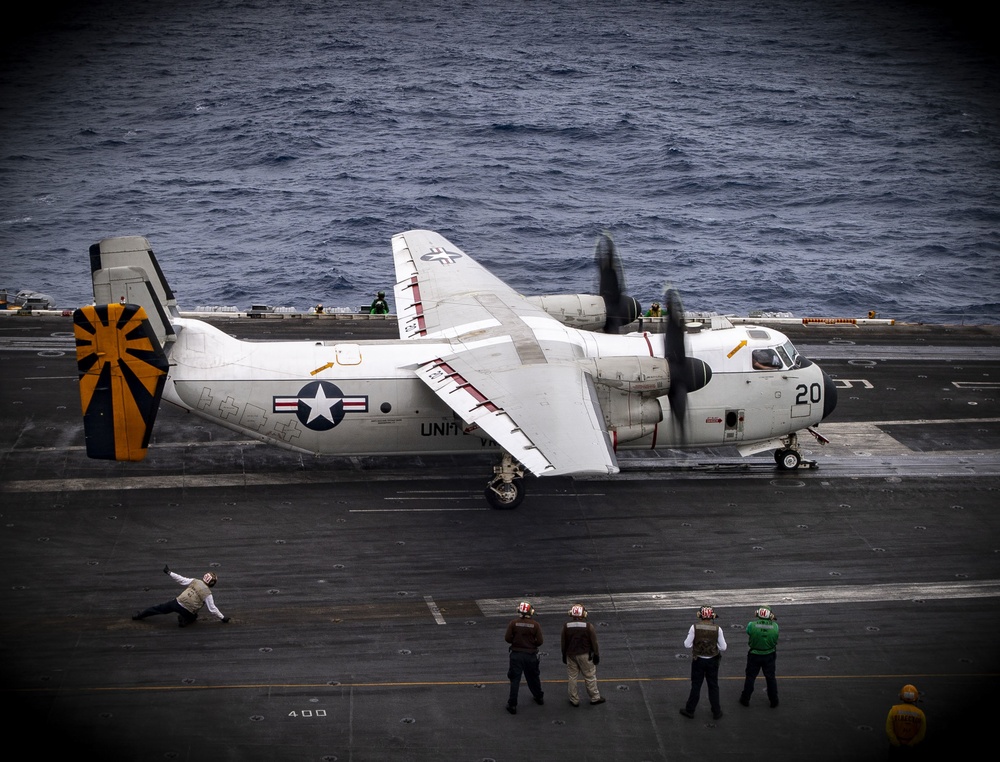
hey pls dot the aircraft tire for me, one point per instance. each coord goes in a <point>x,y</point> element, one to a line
<point>509,496</point>
<point>787,460</point>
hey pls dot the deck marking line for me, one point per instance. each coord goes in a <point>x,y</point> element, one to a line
<point>748,597</point>
<point>435,611</point>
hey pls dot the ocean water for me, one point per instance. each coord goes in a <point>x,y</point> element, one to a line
<point>823,158</point>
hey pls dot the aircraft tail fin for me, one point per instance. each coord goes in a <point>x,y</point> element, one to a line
<point>123,370</point>
<point>125,271</point>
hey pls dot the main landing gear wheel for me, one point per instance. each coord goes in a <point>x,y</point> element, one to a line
<point>505,496</point>
<point>506,488</point>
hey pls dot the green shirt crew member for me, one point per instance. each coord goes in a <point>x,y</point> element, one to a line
<point>762,633</point>
<point>379,306</point>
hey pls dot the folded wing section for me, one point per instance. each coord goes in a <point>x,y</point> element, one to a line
<point>437,285</point>
<point>545,416</point>
<point>514,371</point>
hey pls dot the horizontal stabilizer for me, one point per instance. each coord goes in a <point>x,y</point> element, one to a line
<point>123,370</point>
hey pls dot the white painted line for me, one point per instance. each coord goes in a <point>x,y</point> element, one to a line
<point>432,496</point>
<point>435,611</point>
<point>749,598</point>
<point>415,510</point>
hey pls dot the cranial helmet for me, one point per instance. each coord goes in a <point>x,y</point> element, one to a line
<point>381,294</point>
<point>706,612</point>
<point>579,610</point>
<point>909,693</point>
<point>524,609</point>
<point>764,613</point>
<point>209,578</point>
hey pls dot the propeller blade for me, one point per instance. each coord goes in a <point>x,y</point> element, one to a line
<point>621,308</point>
<point>673,348</point>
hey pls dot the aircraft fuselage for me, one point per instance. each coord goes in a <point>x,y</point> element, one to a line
<point>364,398</point>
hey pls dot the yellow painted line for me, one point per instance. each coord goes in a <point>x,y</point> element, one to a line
<point>62,690</point>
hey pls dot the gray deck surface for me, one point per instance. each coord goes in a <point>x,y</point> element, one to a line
<point>369,596</point>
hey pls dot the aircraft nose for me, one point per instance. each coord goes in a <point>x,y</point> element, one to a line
<point>829,395</point>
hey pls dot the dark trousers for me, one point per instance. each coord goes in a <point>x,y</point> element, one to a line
<point>756,663</point>
<point>170,607</point>
<point>526,664</point>
<point>703,670</point>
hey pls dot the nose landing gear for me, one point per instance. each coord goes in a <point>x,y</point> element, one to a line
<point>789,457</point>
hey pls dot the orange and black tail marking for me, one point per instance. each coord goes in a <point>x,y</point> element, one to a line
<point>123,370</point>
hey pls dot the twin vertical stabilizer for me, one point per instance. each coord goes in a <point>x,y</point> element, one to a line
<point>123,370</point>
<point>120,343</point>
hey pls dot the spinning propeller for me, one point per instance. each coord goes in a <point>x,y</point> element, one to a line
<point>687,374</point>
<point>621,308</point>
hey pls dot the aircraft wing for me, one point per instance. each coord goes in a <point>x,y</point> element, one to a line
<point>439,288</point>
<point>512,370</point>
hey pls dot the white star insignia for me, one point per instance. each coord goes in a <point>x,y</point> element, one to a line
<point>321,406</point>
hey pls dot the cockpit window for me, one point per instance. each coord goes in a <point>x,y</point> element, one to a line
<point>784,357</point>
<point>794,358</point>
<point>766,359</point>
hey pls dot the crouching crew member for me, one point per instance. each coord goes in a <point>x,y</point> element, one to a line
<point>197,593</point>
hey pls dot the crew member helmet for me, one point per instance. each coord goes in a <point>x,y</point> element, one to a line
<point>706,612</point>
<point>381,294</point>
<point>909,693</point>
<point>209,578</point>
<point>579,610</point>
<point>764,613</point>
<point>524,609</point>
<point>656,305</point>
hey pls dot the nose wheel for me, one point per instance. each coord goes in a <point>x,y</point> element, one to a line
<point>506,488</point>
<point>789,458</point>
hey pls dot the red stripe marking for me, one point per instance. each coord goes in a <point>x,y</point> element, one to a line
<point>463,383</point>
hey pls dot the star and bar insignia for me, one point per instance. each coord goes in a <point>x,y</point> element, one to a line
<point>321,405</point>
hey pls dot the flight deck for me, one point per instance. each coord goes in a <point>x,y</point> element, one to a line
<point>368,596</point>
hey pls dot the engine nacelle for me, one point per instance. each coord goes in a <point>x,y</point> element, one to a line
<point>630,416</point>
<point>649,376</point>
<point>584,311</point>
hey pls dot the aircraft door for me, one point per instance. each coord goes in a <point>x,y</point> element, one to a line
<point>733,426</point>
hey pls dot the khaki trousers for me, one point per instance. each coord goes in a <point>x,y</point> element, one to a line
<point>581,665</point>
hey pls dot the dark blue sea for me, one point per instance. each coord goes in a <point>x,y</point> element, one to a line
<point>815,157</point>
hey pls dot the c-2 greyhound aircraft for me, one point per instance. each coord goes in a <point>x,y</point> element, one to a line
<point>548,381</point>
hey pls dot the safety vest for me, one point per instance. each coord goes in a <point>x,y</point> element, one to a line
<point>706,639</point>
<point>905,724</point>
<point>194,595</point>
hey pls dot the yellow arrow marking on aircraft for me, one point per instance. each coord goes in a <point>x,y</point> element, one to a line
<point>737,348</point>
<point>321,369</point>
